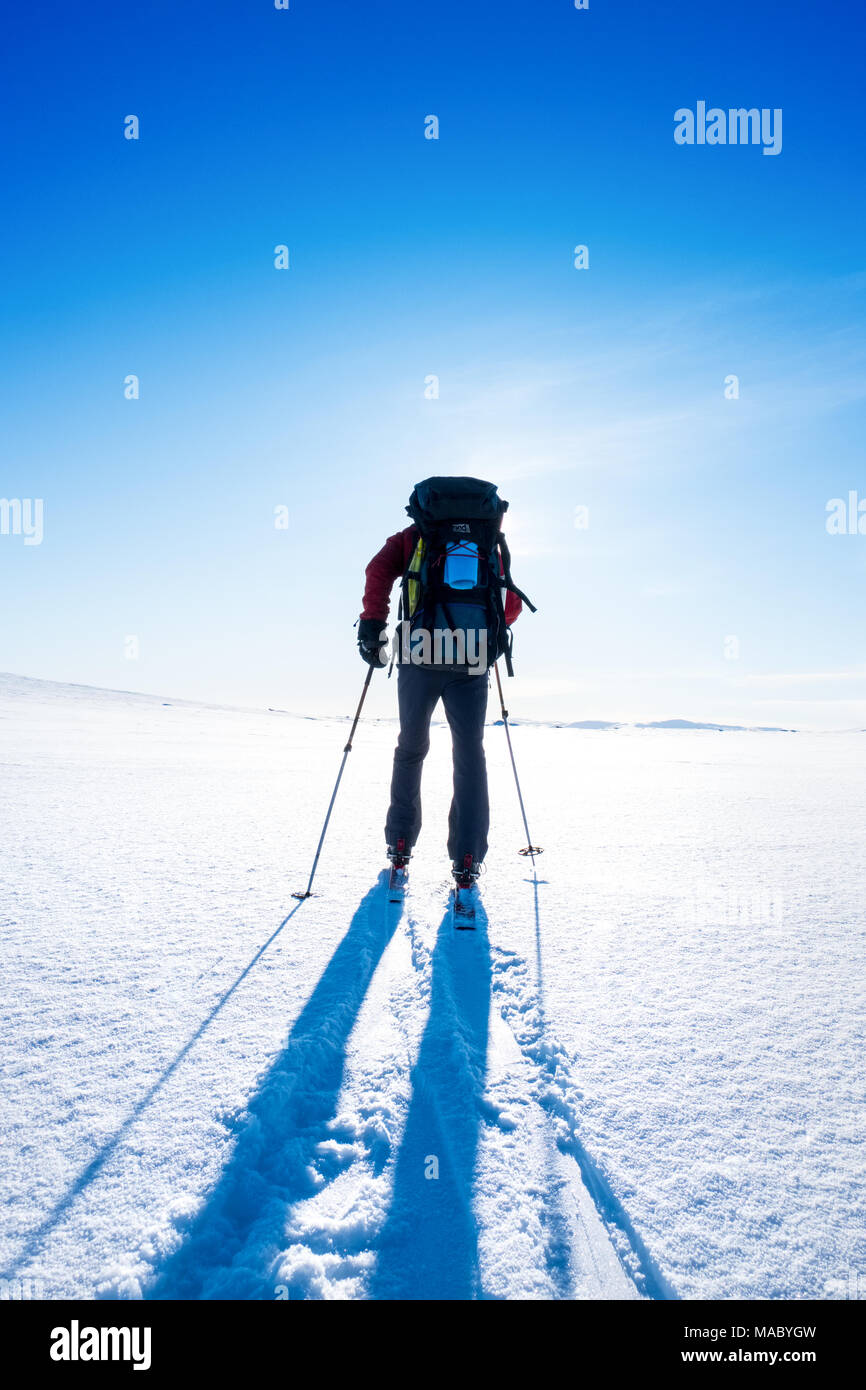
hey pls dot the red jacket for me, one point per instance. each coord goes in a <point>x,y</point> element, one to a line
<point>390,564</point>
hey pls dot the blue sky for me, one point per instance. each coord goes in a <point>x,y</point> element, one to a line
<point>410,257</point>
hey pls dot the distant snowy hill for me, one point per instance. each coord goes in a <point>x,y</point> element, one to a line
<point>642,1076</point>
<point>24,686</point>
<point>717,728</point>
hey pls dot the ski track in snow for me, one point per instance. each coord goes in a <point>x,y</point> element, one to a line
<point>399,1061</point>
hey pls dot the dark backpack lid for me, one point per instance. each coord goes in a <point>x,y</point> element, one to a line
<point>455,499</point>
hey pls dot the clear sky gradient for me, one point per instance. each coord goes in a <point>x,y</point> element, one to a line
<point>602,388</point>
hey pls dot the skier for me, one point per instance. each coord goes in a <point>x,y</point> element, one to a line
<point>457,604</point>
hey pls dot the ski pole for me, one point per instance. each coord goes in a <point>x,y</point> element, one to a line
<point>530,849</point>
<point>346,751</point>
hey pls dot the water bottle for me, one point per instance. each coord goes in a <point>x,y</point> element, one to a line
<point>461,565</point>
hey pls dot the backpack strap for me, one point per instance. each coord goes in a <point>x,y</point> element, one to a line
<point>506,575</point>
<point>410,574</point>
<point>504,634</point>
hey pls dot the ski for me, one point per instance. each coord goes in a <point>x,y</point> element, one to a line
<point>398,881</point>
<point>463,908</point>
<point>398,878</point>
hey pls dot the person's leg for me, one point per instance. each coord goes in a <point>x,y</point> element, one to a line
<point>465,701</point>
<point>418,690</point>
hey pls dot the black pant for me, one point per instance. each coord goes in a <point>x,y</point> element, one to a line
<point>465,699</point>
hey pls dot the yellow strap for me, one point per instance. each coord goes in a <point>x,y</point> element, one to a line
<point>414,585</point>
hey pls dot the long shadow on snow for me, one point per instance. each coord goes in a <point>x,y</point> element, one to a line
<point>88,1174</point>
<point>428,1248</point>
<point>230,1249</point>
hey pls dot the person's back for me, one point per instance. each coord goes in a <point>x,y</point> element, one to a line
<point>457,603</point>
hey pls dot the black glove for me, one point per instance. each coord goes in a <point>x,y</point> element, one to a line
<point>373,641</point>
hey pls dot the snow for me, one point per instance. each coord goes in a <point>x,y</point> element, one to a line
<point>640,1077</point>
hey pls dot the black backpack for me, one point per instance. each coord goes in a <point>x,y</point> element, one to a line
<point>454,582</point>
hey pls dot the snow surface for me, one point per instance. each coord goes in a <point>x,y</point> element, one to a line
<point>641,1078</point>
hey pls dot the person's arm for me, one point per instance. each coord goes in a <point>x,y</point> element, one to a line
<point>383,569</point>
